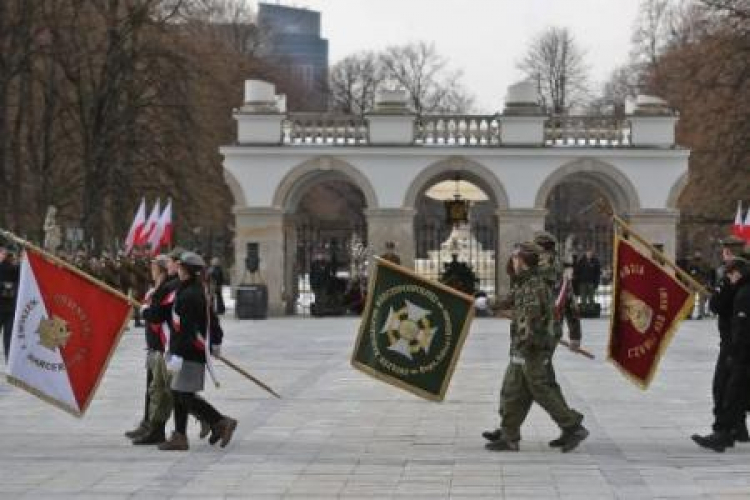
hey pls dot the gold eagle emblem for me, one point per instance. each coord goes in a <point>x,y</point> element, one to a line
<point>53,333</point>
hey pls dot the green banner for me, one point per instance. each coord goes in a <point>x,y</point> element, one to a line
<point>412,330</point>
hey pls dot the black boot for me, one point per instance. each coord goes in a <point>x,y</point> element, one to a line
<point>557,443</point>
<point>739,433</point>
<point>572,437</point>
<point>156,436</point>
<point>717,441</point>
<point>492,436</point>
<point>143,428</point>
<point>502,444</point>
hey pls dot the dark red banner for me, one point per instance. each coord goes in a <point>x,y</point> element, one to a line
<point>648,304</point>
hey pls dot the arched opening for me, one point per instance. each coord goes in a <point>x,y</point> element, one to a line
<point>325,241</point>
<point>452,245</point>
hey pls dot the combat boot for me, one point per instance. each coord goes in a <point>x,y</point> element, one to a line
<point>572,437</point>
<point>205,429</point>
<point>143,428</point>
<point>223,431</point>
<point>493,436</point>
<point>740,434</point>
<point>557,443</point>
<point>718,441</point>
<point>502,444</point>
<point>176,442</point>
<point>156,436</point>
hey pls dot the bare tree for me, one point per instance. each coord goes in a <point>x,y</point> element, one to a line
<point>557,64</point>
<point>424,74</point>
<point>353,82</point>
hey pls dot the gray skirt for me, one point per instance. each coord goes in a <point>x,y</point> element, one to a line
<point>190,378</point>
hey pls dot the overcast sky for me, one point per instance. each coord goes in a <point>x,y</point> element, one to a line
<point>483,38</point>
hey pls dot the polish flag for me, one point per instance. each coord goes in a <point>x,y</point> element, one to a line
<point>134,234</point>
<point>151,224</point>
<point>738,228</point>
<point>746,228</point>
<point>166,226</point>
<point>66,328</point>
<point>162,230</point>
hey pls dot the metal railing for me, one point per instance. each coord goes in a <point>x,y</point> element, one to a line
<point>597,131</point>
<point>457,130</point>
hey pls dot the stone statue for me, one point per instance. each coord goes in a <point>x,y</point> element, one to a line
<point>52,232</point>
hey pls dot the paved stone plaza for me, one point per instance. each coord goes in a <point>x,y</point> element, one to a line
<point>340,434</point>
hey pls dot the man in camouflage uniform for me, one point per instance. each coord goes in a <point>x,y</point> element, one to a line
<point>552,271</point>
<point>529,377</point>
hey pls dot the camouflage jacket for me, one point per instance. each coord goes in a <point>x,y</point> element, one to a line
<point>551,270</point>
<point>532,327</point>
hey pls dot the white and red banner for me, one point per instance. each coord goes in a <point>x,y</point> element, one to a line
<point>136,228</point>
<point>746,227</point>
<point>151,225</point>
<point>162,233</point>
<point>738,228</point>
<point>66,328</point>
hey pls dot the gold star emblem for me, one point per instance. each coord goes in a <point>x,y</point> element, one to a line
<point>53,333</point>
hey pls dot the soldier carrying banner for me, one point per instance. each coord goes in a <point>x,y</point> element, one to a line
<point>529,377</point>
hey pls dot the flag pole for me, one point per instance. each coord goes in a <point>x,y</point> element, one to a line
<point>58,261</point>
<point>690,281</point>
<point>239,370</point>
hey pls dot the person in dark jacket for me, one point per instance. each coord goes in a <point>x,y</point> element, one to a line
<point>216,285</point>
<point>721,303</point>
<point>9,277</point>
<point>736,392</point>
<point>187,357</point>
<point>158,305</point>
<point>587,273</point>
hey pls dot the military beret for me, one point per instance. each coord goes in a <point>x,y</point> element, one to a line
<point>192,259</point>
<point>740,265</point>
<point>544,238</point>
<point>732,241</point>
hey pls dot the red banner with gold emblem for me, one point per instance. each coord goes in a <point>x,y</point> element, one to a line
<point>65,330</point>
<point>648,304</point>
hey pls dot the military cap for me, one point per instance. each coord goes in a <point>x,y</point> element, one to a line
<point>176,253</point>
<point>732,242</point>
<point>530,247</point>
<point>545,238</point>
<point>192,259</point>
<point>738,264</point>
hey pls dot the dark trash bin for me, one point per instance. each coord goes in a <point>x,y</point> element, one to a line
<point>251,302</point>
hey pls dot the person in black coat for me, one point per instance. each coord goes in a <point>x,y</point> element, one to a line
<point>587,273</point>
<point>190,331</point>
<point>721,303</point>
<point>9,277</point>
<point>736,391</point>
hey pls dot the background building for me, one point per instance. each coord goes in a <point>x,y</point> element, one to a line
<point>295,47</point>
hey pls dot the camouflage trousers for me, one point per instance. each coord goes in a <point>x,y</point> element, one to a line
<point>529,380</point>
<point>160,396</point>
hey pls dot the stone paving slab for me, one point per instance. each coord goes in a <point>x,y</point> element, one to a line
<point>340,434</point>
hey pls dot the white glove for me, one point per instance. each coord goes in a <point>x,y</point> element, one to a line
<point>216,350</point>
<point>174,363</point>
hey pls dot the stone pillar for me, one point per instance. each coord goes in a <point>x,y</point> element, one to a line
<point>264,226</point>
<point>391,123</point>
<point>652,123</point>
<point>514,226</point>
<point>657,226</point>
<point>259,119</point>
<point>522,123</point>
<point>392,224</point>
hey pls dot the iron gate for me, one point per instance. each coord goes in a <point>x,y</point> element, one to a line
<point>340,247</point>
<point>479,254</point>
